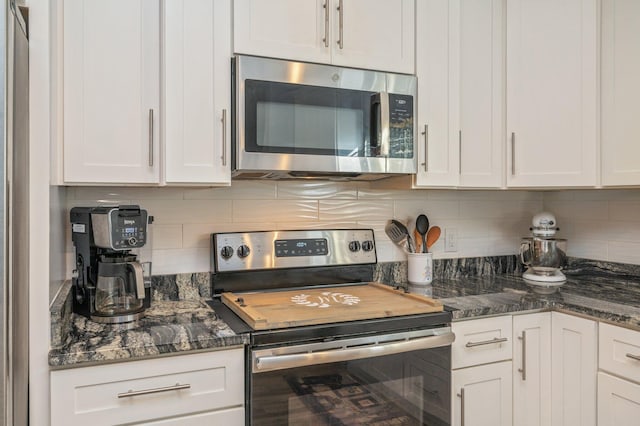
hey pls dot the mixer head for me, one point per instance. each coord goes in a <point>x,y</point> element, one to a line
<point>544,225</point>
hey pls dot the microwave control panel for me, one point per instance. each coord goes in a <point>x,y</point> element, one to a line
<point>401,126</point>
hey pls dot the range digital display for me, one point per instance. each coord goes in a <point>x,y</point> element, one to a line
<point>301,247</point>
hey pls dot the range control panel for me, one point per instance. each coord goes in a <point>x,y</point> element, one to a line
<point>245,251</point>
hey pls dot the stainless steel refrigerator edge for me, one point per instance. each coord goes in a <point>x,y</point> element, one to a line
<point>14,250</point>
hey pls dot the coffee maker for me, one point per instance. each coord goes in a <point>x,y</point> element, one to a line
<point>108,283</point>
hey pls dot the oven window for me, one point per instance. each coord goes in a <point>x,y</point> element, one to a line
<point>300,119</point>
<point>405,389</point>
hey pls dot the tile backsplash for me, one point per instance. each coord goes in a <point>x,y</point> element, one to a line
<point>599,224</point>
<point>487,223</point>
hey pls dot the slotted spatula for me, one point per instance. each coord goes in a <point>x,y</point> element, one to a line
<point>399,234</point>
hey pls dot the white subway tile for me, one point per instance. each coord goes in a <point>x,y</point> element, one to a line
<point>240,190</point>
<point>588,249</point>
<point>316,225</point>
<point>129,193</point>
<point>355,210</point>
<point>498,209</point>
<point>275,210</point>
<point>188,211</point>
<point>166,237</point>
<point>317,190</point>
<point>566,211</point>
<point>625,252</point>
<point>435,210</point>
<point>625,211</point>
<point>391,194</point>
<point>181,261</point>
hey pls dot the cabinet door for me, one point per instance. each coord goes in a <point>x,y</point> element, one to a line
<point>480,101</point>
<point>165,388</point>
<point>374,34</point>
<point>573,371</point>
<point>618,401</point>
<point>482,395</point>
<point>288,29</point>
<point>437,143</point>
<point>620,91</point>
<point>197,84</point>
<point>551,92</point>
<point>111,91</point>
<point>532,369</point>
<point>228,417</point>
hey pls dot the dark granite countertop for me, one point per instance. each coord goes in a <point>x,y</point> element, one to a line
<point>181,321</point>
<point>603,298</point>
<point>168,327</point>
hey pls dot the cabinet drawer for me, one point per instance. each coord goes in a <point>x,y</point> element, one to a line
<point>132,392</point>
<point>619,351</point>
<point>481,341</point>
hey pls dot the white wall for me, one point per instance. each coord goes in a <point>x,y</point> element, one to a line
<point>487,222</point>
<point>599,224</point>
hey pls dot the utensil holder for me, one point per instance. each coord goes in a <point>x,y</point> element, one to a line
<point>419,268</point>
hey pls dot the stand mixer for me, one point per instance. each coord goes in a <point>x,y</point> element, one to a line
<point>543,254</point>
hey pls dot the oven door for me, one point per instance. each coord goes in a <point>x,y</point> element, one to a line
<point>299,117</point>
<point>399,378</point>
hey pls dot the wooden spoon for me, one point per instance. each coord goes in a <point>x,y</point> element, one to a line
<point>432,236</point>
<point>419,241</point>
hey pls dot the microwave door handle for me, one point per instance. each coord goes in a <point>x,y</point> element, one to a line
<point>384,124</point>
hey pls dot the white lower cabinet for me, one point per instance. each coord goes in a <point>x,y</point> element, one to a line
<point>618,397</point>
<point>180,390</point>
<point>618,401</point>
<point>532,369</point>
<point>481,377</point>
<point>482,395</point>
<point>573,370</point>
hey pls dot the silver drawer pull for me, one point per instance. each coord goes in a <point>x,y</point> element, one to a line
<point>155,390</point>
<point>486,342</point>
<point>632,356</point>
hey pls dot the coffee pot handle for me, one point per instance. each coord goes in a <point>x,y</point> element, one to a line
<point>137,271</point>
<point>525,247</point>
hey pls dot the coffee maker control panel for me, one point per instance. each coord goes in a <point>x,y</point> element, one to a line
<point>119,228</point>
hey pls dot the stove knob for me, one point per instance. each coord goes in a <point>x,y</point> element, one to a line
<point>354,246</point>
<point>226,252</point>
<point>243,251</point>
<point>367,245</point>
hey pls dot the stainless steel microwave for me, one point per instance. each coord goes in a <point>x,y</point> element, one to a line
<point>301,120</point>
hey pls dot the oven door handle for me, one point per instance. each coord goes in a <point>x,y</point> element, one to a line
<point>281,362</point>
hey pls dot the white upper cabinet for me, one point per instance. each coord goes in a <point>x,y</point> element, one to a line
<point>111,91</point>
<point>374,34</point>
<point>371,34</point>
<point>460,69</point>
<point>437,132</point>
<point>620,91</point>
<point>481,93</point>
<point>552,92</point>
<point>197,100</point>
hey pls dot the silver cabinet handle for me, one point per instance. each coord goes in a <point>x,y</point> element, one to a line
<point>486,342</point>
<point>425,132</point>
<point>635,357</point>
<point>131,393</point>
<point>341,23</point>
<point>151,138</point>
<point>224,137</point>
<point>461,396</point>
<point>513,153</point>
<point>325,6</point>
<point>523,370</point>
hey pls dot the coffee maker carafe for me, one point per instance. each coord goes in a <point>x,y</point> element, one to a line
<point>109,284</point>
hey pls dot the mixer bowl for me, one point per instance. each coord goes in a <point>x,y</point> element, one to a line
<point>544,256</point>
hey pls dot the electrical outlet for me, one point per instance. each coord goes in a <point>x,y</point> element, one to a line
<point>450,239</point>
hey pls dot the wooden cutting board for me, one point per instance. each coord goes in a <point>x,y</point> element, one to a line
<point>293,308</point>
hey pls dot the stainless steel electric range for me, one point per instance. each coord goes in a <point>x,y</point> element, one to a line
<point>327,344</point>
